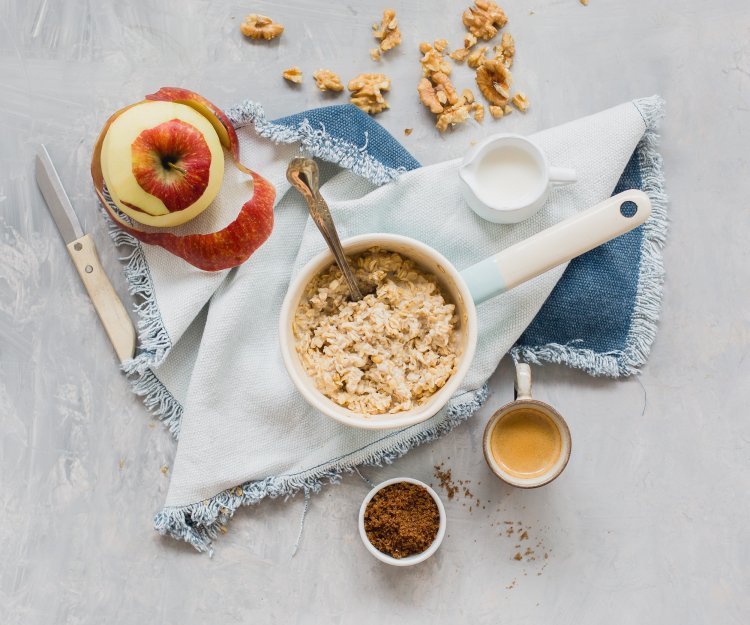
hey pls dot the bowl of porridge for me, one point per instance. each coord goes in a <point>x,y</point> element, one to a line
<point>395,357</point>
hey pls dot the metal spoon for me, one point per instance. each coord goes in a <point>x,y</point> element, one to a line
<point>302,173</point>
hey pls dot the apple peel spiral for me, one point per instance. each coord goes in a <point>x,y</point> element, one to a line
<point>167,168</point>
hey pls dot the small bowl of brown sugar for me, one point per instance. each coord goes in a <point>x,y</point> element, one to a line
<point>402,521</point>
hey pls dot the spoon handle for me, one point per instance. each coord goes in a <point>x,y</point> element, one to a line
<point>302,173</point>
<point>321,215</point>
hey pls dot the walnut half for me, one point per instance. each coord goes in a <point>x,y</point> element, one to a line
<point>260,27</point>
<point>367,92</point>
<point>493,80</point>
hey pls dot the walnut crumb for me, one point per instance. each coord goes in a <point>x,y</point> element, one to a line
<point>440,44</point>
<point>584,2</point>
<point>375,54</point>
<point>293,74</point>
<point>388,33</point>
<point>408,131</point>
<point>496,111</point>
<point>327,80</point>
<point>484,19</point>
<point>459,54</point>
<point>520,101</point>
<point>367,92</point>
<point>506,50</point>
<point>260,27</point>
<point>477,109</point>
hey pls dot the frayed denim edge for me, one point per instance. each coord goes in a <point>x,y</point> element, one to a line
<point>199,523</point>
<point>643,324</point>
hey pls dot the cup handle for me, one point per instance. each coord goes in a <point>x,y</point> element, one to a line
<point>559,176</point>
<point>522,388</point>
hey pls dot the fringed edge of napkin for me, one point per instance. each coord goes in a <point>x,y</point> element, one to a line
<point>154,340</point>
<point>199,523</point>
<point>649,292</point>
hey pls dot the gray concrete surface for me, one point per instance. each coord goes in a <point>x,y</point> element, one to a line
<point>649,524</point>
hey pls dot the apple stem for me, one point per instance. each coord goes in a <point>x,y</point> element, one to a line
<point>176,168</point>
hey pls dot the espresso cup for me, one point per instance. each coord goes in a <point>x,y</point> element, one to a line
<point>527,442</point>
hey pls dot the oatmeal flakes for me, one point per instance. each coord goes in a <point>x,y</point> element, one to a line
<point>390,351</point>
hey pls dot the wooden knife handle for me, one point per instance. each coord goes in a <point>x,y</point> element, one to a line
<point>108,306</point>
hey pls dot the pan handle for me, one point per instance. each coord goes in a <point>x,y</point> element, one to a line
<point>558,244</point>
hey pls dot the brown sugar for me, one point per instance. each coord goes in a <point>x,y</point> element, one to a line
<point>402,519</point>
<point>446,480</point>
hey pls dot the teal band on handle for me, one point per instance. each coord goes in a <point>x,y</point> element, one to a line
<point>484,280</point>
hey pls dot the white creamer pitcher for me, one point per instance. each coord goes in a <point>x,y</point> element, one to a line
<point>506,178</point>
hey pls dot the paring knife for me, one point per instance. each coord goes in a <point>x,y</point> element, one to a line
<point>81,248</point>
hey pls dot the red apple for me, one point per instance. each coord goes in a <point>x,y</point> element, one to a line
<point>162,162</point>
<point>174,160</point>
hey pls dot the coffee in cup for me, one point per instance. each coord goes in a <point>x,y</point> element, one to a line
<point>527,442</point>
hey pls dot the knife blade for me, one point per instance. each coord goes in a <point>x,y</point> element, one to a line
<point>82,250</point>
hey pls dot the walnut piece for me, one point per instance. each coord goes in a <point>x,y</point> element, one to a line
<point>440,44</point>
<point>433,61</point>
<point>520,101</point>
<point>493,80</point>
<point>477,57</point>
<point>428,96</point>
<point>387,33</point>
<point>366,92</point>
<point>484,19</point>
<point>459,54</point>
<point>408,131</point>
<point>327,80</point>
<point>478,109</point>
<point>444,88</point>
<point>260,27</point>
<point>468,96</point>
<point>293,74</point>
<point>506,50</point>
<point>456,114</point>
<point>375,54</point>
<point>496,111</point>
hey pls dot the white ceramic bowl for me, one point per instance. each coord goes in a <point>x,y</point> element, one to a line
<point>417,557</point>
<point>452,285</point>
